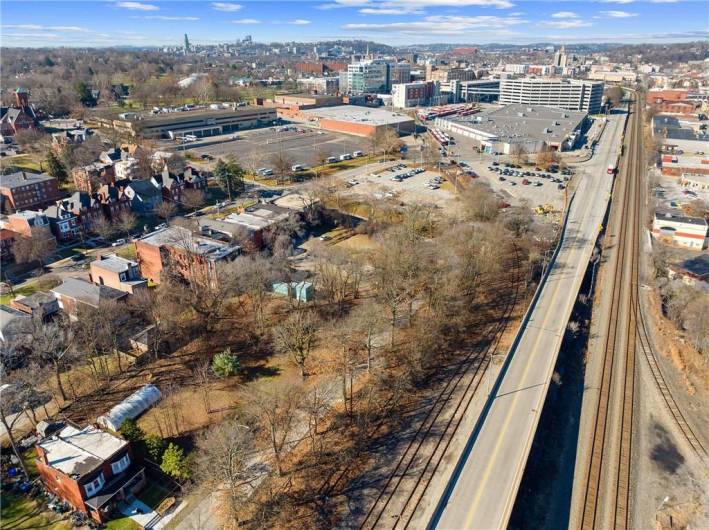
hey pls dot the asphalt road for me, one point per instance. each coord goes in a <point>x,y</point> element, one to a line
<point>483,488</point>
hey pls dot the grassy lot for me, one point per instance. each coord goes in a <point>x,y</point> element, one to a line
<point>19,512</point>
<point>30,162</point>
<point>127,251</point>
<point>28,288</point>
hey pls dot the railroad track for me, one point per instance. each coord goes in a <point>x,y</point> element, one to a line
<point>607,487</point>
<point>478,362</point>
<point>677,415</point>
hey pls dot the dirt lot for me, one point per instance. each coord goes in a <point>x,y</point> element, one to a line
<point>377,184</point>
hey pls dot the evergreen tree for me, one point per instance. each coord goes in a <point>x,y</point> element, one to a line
<point>55,167</point>
<point>225,364</point>
<point>175,463</point>
<point>83,92</point>
<point>230,176</point>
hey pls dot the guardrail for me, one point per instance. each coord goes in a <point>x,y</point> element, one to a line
<point>498,381</point>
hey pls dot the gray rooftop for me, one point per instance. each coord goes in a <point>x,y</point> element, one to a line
<point>518,121</point>
<point>23,178</point>
<point>114,263</point>
<point>356,114</point>
<point>86,292</point>
<point>669,215</point>
<point>76,452</point>
<point>178,237</point>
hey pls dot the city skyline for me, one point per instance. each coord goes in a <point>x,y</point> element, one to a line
<point>394,22</point>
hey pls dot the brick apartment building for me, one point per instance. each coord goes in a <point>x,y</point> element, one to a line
<point>89,468</point>
<point>319,68</point>
<point>193,257</point>
<point>671,101</point>
<point>23,191</point>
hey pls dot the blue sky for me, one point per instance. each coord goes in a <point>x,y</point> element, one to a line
<point>397,22</point>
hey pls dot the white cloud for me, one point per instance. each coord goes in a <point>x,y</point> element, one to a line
<point>617,1</point>
<point>137,6</point>
<point>379,7</point>
<point>565,24</point>
<point>50,36</point>
<point>163,17</point>
<point>225,6</point>
<point>664,1</point>
<point>617,14</point>
<point>37,27</point>
<point>246,21</point>
<point>565,14</point>
<point>73,29</point>
<point>299,22</point>
<point>22,26</point>
<point>391,11</point>
<point>441,25</point>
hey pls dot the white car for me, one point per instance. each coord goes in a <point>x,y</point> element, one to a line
<point>118,243</point>
<point>297,167</point>
<point>346,156</point>
<point>357,154</point>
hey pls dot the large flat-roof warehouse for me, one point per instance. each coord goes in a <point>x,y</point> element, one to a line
<point>198,122</point>
<point>360,121</point>
<point>506,129</point>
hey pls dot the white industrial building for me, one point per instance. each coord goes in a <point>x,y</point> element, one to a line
<point>690,232</point>
<point>530,128</point>
<point>570,94</point>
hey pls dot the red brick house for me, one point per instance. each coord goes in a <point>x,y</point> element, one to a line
<point>20,117</point>
<point>91,177</point>
<point>91,469</point>
<point>7,239</point>
<point>75,292</point>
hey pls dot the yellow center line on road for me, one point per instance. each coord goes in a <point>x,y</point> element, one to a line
<point>488,468</point>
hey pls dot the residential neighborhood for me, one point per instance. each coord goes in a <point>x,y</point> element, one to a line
<point>354,265</point>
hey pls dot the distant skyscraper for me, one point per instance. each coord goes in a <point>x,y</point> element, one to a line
<point>560,58</point>
<point>187,43</point>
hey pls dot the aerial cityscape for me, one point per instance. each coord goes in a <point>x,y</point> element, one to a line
<point>354,264</point>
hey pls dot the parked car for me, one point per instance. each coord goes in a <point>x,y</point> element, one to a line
<point>118,243</point>
<point>331,159</point>
<point>346,156</point>
<point>297,167</point>
<point>357,154</point>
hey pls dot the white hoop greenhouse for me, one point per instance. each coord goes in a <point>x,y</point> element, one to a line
<point>130,408</point>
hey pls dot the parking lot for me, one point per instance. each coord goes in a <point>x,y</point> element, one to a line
<point>536,188</point>
<point>299,144</point>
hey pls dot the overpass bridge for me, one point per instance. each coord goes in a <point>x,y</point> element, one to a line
<point>482,489</point>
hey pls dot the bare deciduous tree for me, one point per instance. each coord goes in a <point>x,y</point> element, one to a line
<point>224,463</point>
<point>274,407</point>
<point>295,337</point>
